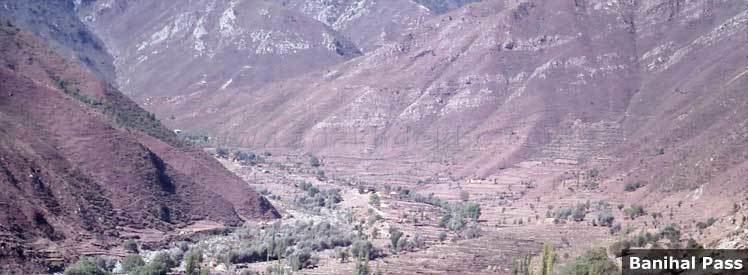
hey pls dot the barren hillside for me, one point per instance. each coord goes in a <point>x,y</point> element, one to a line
<point>81,165</point>
<point>500,82</point>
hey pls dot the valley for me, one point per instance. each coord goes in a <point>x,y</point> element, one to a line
<point>369,136</point>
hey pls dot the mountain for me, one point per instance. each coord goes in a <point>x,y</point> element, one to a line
<point>368,23</point>
<point>176,49</point>
<point>497,83</point>
<point>442,6</point>
<point>58,24</point>
<point>81,165</point>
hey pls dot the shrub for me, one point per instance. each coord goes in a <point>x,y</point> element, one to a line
<point>617,248</point>
<point>362,249</point>
<point>300,259</point>
<point>634,211</point>
<point>395,236</point>
<point>222,153</point>
<point>246,157</point>
<point>374,200</point>
<point>472,232</point>
<point>418,241</point>
<point>342,254</point>
<point>130,246</point>
<point>362,267</point>
<point>615,228</point>
<point>132,262</point>
<point>442,236</point>
<point>464,196</point>
<point>594,261</point>
<point>708,223</point>
<point>193,262</point>
<point>84,266</point>
<point>314,161</point>
<point>670,232</point>
<point>605,218</point>
<point>631,187</point>
<point>473,211</point>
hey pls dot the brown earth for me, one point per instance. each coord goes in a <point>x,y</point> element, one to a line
<point>80,164</point>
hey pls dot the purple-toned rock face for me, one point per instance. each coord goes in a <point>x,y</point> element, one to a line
<point>494,82</point>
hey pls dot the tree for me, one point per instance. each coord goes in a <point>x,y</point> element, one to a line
<point>549,259</point>
<point>362,267</point>
<point>314,161</point>
<point>395,236</point>
<point>132,262</point>
<point>193,262</point>
<point>594,261</point>
<point>84,266</point>
<point>442,236</point>
<point>342,254</point>
<point>130,246</point>
<point>473,211</point>
<point>374,200</point>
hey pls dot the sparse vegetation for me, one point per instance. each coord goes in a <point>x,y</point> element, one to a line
<point>594,261</point>
<point>634,211</point>
<point>85,266</point>
<point>193,262</point>
<point>132,262</point>
<point>395,235</point>
<point>632,186</point>
<point>130,246</point>
<point>314,199</point>
<point>374,200</point>
<point>708,223</point>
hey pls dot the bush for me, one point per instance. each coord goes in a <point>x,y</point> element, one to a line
<point>342,254</point>
<point>472,232</point>
<point>193,262</point>
<point>374,200</point>
<point>670,232</point>
<point>617,248</point>
<point>395,236</point>
<point>442,236</point>
<point>594,261</point>
<point>362,249</point>
<point>708,223</point>
<point>222,153</point>
<point>132,262</point>
<point>634,211</point>
<point>314,161</point>
<point>130,246</point>
<point>84,266</point>
<point>631,187</point>
<point>605,218</point>
<point>300,259</point>
<point>464,196</point>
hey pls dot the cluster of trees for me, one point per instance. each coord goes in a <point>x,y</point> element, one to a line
<point>134,264</point>
<point>314,198</point>
<point>294,242</point>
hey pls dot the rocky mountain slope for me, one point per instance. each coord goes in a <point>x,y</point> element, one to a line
<point>173,48</point>
<point>58,24</point>
<point>177,49</point>
<point>80,165</point>
<point>646,85</point>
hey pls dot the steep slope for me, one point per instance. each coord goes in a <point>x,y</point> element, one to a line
<point>165,48</point>
<point>368,23</point>
<point>80,164</point>
<point>59,25</point>
<point>442,6</point>
<point>498,82</point>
